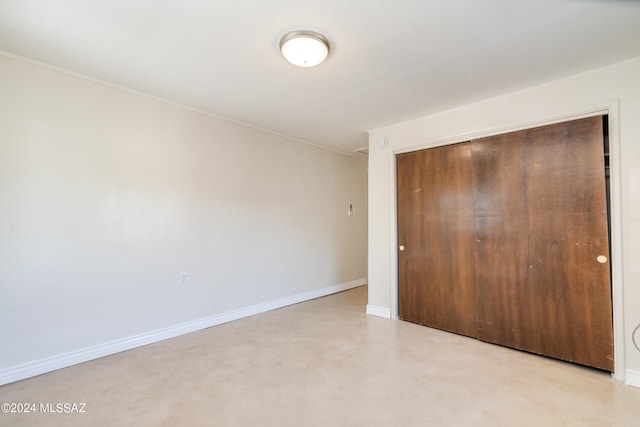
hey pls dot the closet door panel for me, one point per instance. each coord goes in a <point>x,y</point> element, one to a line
<point>554,296</point>
<point>568,233</point>
<point>501,243</point>
<point>435,236</point>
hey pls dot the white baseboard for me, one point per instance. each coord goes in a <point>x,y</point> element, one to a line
<point>65,360</point>
<point>379,311</point>
<point>632,378</point>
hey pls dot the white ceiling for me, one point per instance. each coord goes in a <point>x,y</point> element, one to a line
<point>391,60</point>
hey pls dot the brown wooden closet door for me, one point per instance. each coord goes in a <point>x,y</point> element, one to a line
<point>542,225</point>
<point>502,241</point>
<point>435,228</point>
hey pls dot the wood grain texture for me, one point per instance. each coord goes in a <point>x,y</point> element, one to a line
<point>568,231</point>
<point>502,237</point>
<point>540,231</point>
<point>435,226</point>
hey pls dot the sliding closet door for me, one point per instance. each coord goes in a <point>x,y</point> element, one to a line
<point>435,237</point>
<point>505,310</point>
<point>542,251</point>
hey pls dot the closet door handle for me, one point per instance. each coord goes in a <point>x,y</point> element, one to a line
<point>401,248</point>
<point>602,259</point>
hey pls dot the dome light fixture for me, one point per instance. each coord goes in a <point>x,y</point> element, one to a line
<point>304,48</point>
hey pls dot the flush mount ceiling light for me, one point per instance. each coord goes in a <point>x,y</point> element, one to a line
<point>304,48</point>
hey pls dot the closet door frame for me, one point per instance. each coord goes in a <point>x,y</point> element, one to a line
<point>609,109</point>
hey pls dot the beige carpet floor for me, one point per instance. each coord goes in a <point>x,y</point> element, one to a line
<point>325,363</point>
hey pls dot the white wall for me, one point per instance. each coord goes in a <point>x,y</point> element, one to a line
<point>107,196</point>
<point>616,90</point>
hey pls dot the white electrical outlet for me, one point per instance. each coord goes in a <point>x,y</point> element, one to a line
<point>184,278</point>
